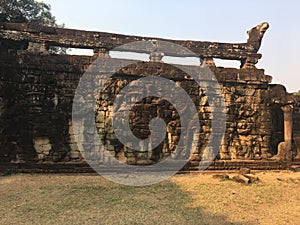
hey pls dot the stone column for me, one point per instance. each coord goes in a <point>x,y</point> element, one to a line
<point>285,148</point>
<point>156,56</point>
<point>208,62</point>
<point>101,52</point>
<point>38,48</point>
<point>288,122</point>
<point>249,63</point>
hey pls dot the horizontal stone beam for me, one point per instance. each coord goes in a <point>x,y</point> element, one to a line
<point>71,38</point>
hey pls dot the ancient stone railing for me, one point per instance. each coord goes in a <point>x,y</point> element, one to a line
<point>40,37</point>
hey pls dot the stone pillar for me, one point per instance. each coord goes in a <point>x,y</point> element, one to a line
<point>249,63</point>
<point>101,52</point>
<point>288,122</point>
<point>285,148</point>
<point>297,157</point>
<point>156,56</point>
<point>38,48</point>
<point>208,62</point>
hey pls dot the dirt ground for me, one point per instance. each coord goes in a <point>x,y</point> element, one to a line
<point>193,199</point>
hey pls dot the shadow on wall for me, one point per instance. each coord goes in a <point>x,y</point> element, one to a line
<point>36,107</point>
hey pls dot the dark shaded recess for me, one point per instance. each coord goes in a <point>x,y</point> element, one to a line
<point>13,45</point>
<point>277,128</point>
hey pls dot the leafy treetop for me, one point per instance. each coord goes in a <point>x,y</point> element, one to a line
<point>20,11</point>
<point>29,11</point>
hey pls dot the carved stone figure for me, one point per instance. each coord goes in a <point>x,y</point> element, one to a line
<point>256,35</point>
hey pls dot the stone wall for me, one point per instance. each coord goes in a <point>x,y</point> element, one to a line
<point>36,95</point>
<point>37,91</point>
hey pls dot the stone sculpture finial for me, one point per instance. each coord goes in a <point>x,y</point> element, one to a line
<point>256,35</point>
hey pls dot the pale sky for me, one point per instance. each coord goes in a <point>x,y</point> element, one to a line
<point>210,20</point>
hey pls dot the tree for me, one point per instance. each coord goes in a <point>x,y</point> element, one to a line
<point>297,93</point>
<point>29,11</point>
<point>20,11</point>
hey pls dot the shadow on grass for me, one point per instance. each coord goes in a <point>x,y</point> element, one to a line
<point>164,203</point>
<point>81,200</point>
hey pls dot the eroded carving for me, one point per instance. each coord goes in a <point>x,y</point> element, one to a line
<point>256,35</point>
<point>37,91</point>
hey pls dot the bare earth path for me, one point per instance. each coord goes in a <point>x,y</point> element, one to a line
<point>193,199</point>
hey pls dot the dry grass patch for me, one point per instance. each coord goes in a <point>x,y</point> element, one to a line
<point>184,199</point>
<point>63,199</point>
<point>273,200</point>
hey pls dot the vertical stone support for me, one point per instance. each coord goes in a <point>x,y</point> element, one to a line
<point>101,52</point>
<point>38,48</point>
<point>297,157</point>
<point>156,56</point>
<point>288,123</point>
<point>208,62</point>
<point>285,147</point>
<point>249,63</point>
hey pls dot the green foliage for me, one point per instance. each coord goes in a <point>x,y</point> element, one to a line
<point>20,11</point>
<point>297,93</point>
<point>29,11</point>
